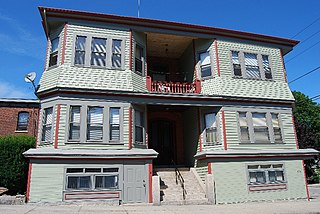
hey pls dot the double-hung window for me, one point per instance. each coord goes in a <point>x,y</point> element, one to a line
<point>266,67</point>
<point>205,64</point>
<point>116,53</point>
<point>47,125</point>
<point>95,124</point>
<point>251,65</point>
<point>139,124</point>
<point>266,174</point>
<point>74,123</point>
<point>114,124</point>
<point>98,52</point>
<point>260,127</point>
<point>22,124</point>
<point>53,60</point>
<point>139,59</point>
<point>211,134</point>
<point>244,128</point>
<point>236,63</point>
<point>80,50</point>
<point>276,128</point>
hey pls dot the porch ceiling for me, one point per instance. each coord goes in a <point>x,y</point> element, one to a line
<point>166,45</point>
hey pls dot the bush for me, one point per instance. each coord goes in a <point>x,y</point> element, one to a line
<point>13,165</point>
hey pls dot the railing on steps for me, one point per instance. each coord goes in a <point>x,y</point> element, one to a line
<point>180,179</point>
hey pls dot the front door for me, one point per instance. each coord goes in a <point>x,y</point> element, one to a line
<point>135,183</point>
<point>162,139</point>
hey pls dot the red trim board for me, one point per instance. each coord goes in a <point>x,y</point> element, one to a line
<point>130,55</point>
<point>28,183</point>
<point>224,131</point>
<point>209,168</point>
<point>57,127</point>
<point>64,43</point>
<point>217,57</point>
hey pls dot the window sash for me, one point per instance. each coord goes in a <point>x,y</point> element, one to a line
<point>98,52</point>
<point>139,127</point>
<point>116,53</point>
<point>22,123</point>
<point>114,124</point>
<point>205,64</point>
<point>106,181</point>
<point>266,174</point>
<point>47,125</point>
<point>80,50</point>
<point>266,67</point>
<point>74,123</point>
<point>139,59</point>
<point>95,124</point>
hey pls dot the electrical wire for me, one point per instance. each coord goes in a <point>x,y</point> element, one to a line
<point>309,72</point>
<point>303,41</point>
<point>305,28</point>
<point>315,97</point>
<point>302,52</point>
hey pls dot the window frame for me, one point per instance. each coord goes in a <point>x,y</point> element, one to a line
<point>23,129</point>
<point>57,52</point>
<point>143,126</point>
<point>88,51</point>
<point>102,125</point>
<point>243,66</point>
<point>69,123</point>
<point>217,122</point>
<point>143,59</point>
<point>199,64</point>
<point>42,125</point>
<point>266,173</point>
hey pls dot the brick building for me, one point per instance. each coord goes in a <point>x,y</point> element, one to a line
<point>19,116</point>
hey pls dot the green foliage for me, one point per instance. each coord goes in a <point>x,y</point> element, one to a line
<point>13,166</point>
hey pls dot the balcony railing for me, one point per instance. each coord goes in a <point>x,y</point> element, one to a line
<point>173,87</point>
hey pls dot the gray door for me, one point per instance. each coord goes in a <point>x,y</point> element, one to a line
<point>134,190</point>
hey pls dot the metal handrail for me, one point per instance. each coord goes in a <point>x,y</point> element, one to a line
<point>180,178</point>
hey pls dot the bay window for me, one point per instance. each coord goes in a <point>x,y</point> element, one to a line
<point>95,124</point>
<point>53,58</point>
<point>98,52</point>
<point>74,123</point>
<point>260,128</point>
<point>114,124</point>
<point>80,50</point>
<point>116,53</point>
<point>244,128</point>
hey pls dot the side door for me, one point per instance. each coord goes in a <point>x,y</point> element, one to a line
<point>135,183</point>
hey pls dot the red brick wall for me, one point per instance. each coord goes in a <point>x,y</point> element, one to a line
<point>9,119</point>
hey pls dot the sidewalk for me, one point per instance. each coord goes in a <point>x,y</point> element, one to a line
<point>300,206</point>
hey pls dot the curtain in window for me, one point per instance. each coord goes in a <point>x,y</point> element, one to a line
<point>74,128</point>
<point>116,53</point>
<point>114,123</point>
<point>98,52</point>
<point>95,123</point>
<point>252,67</point>
<point>79,58</point>
<point>260,127</point>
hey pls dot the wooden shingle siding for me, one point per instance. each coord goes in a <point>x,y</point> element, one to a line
<point>46,183</point>
<point>231,182</point>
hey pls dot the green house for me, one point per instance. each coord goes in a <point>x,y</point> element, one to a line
<point>124,98</point>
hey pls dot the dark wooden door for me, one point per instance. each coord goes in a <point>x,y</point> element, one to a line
<point>162,139</point>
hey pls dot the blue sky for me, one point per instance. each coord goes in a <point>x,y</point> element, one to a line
<point>23,43</point>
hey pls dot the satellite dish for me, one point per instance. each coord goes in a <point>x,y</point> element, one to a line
<point>30,77</point>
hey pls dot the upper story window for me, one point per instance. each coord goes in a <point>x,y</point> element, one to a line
<point>251,65</point>
<point>139,127</point>
<point>139,59</point>
<point>53,60</point>
<point>114,124</point>
<point>22,124</point>
<point>47,125</point>
<point>259,127</point>
<point>211,132</point>
<point>205,64</point>
<point>74,123</point>
<point>91,51</point>
<point>95,124</point>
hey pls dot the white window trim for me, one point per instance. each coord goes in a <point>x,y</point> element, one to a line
<point>199,64</point>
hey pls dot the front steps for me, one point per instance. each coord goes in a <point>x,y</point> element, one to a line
<point>172,193</point>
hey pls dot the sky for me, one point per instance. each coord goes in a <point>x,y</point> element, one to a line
<point>23,42</point>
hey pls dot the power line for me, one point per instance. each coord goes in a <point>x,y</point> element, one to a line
<point>313,70</point>
<point>309,37</point>
<point>305,28</point>
<point>303,51</point>
<point>315,97</point>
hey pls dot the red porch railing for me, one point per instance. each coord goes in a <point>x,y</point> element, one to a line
<point>173,87</point>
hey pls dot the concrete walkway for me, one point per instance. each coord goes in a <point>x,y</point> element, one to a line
<point>300,206</point>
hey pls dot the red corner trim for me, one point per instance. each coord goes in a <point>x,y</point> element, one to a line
<point>199,131</point>
<point>28,183</point>
<point>57,127</point>
<point>217,58</point>
<point>194,59</point>
<point>37,136</point>
<point>209,168</point>
<point>146,57</point>
<point>150,183</point>
<point>130,55</point>
<point>283,67</point>
<point>64,43</point>
<point>305,180</point>
<point>224,131</point>
<point>295,133</point>
<point>46,59</point>
<point>130,128</point>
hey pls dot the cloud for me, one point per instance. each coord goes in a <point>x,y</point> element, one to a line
<point>17,40</point>
<point>8,90</point>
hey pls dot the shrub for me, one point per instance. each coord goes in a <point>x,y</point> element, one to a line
<point>13,165</point>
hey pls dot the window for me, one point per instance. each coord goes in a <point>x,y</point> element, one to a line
<point>244,129</point>
<point>74,123</point>
<point>92,178</point>
<point>205,64</point>
<point>22,124</point>
<point>211,135</point>
<point>276,128</point>
<point>53,60</point>
<point>47,125</point>
<point>266,67</point>
<point>116,53</point>
<point>236,63</point>
<point>139,127</point>
<point>260,128</point>
<point>251,65</point>
<point>80,50</point>
<point>95,124</point>
<point>266,174</point>
<point>92,51</point>
<point>114,124</point>
<point>98,52</point>
<point>139,59</point>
